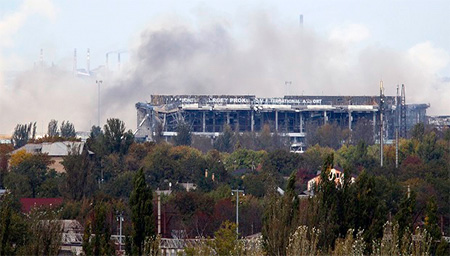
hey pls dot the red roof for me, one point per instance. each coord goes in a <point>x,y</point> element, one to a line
<point>29,203</point>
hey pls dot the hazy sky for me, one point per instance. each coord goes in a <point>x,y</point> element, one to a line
<point>414,34</point>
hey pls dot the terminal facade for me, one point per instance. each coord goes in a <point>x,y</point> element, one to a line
<point>288,116</point>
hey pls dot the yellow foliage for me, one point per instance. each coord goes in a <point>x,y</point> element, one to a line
<point>19,157</point>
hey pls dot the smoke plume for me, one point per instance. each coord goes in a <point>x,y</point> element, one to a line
<point>211,58</point>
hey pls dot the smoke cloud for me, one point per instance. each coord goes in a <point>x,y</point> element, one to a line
<point>212,58</point>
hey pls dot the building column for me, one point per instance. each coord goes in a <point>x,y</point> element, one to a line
<point>252,120</point>
<point>204,121</point>
<point>325,117</point>
<point>164,122</point>
<point>276,120</point>
<point>374,123</point>
<point>228,118</point>
<point>214,122</point>
<point>286,122</point>
<point>350,119</point>
<point>301,122</point>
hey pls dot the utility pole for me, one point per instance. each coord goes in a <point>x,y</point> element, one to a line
<point>237,191</point>
<point>120,220</point>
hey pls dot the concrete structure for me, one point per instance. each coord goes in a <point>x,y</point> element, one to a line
<point>288,116</point>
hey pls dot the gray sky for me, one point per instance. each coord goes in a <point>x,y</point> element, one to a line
<point>346,36</point>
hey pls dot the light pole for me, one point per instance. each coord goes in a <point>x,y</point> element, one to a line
<point>98,82</point>
<point>237,191</point>
<point>120,219</point>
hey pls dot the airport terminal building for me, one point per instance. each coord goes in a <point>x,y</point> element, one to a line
<point>288,116</point>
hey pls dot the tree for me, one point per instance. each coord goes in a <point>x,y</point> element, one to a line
<point>33,169</point>
<point>184,135</point>
<point>53,128</point>
<point>418,131</point>
<point>363,132</point>
<point>23,133</point>
<point>67,130</point>
<point>97,233</point>
<point>13,229</point>
<point>225,242</point>
<point>280,219</point>
<point>47,232</point>
<point>225,141</point>
<point>79,174</point>
<point>116,139</point>
<point>141,215</point>
<point>405,214</point>
<point>431,222</point>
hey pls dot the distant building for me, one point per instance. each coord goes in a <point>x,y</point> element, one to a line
<point>288,116</point>
<point>335,174</point>
<point>55,150</point>
<point>72,238</point>
<point>440,122</point>
<point>5,139</point>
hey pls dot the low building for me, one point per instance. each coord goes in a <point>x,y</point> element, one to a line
<point>72,238</point>
<point>55,150</point>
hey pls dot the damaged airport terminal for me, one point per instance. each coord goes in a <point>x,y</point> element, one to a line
<point>208,114</point>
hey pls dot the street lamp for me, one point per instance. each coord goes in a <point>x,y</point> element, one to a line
<point>237,191</point>
<point>120,219</point>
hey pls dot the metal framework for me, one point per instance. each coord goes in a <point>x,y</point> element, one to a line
<point>288,116</point>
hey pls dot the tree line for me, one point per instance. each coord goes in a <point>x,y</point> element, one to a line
<point>101,181</point>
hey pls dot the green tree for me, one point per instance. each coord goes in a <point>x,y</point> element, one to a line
<point>23,133</point>
<point>431,222</point>
<point>184,135</point>
<point>418,131</point>
<point>47,232</point>
<point>67,130</point>
<point>53,128</point>
<point>79,174</point>
<point>405,214</point>
<point>225,242</point>
<point>116,139</point>
<point>34,169</point>
<point>97,233</point>
<point>143,230</point>
<point>13,228</point>
<point>225,141</point>
<point>280,219</point>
